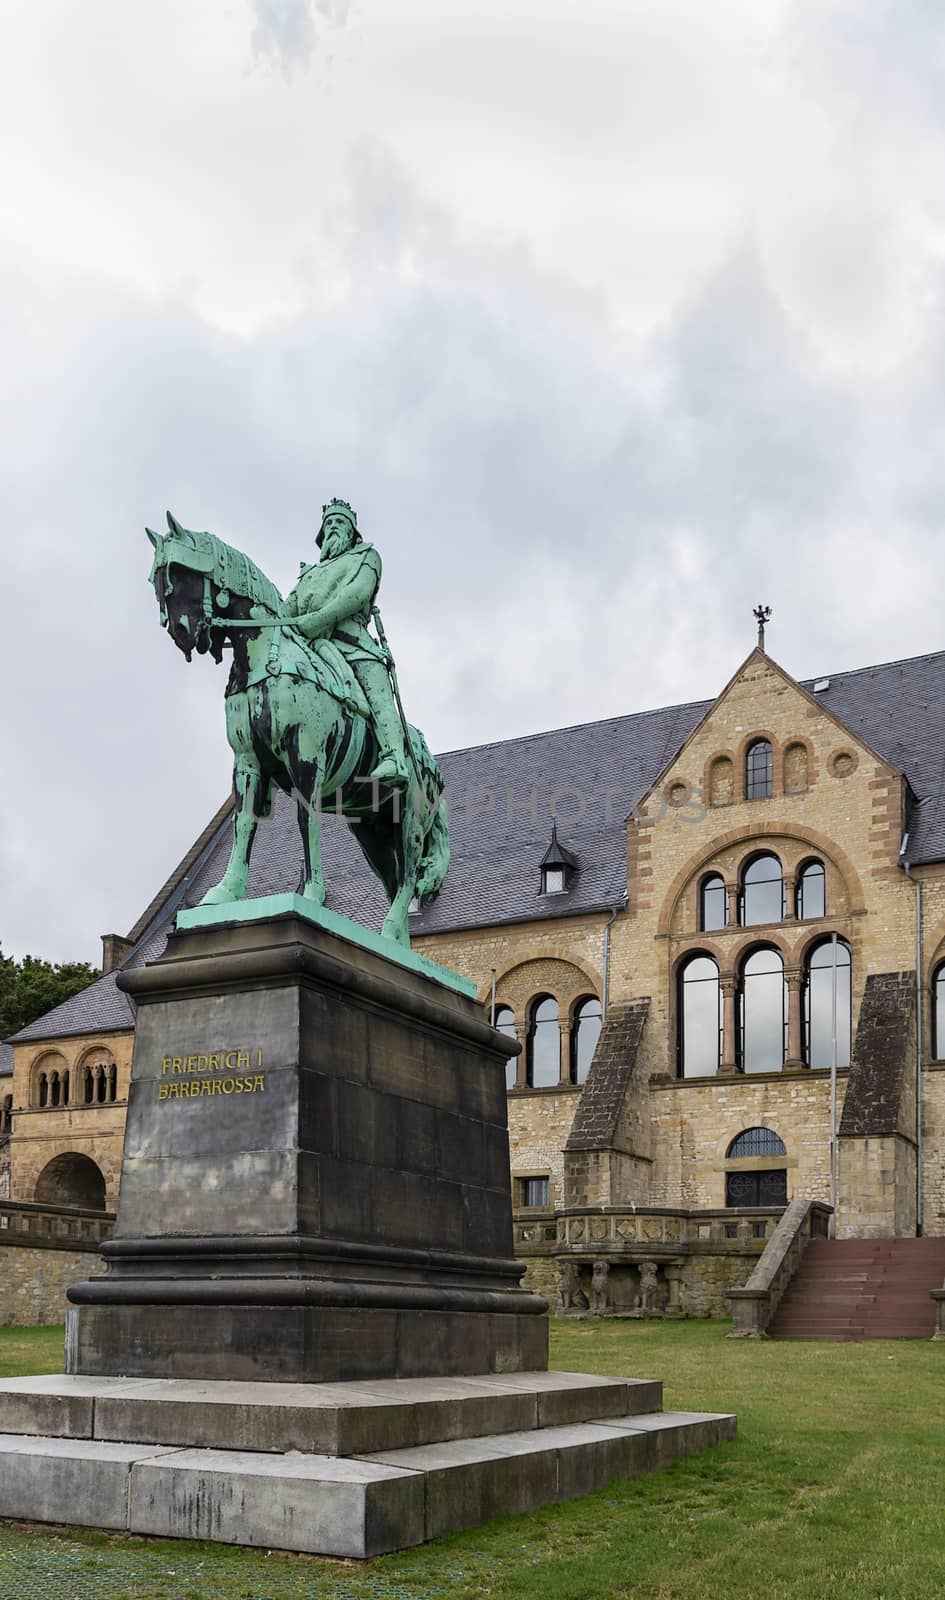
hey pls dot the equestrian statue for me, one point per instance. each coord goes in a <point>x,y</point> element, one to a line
<point>312,705</point>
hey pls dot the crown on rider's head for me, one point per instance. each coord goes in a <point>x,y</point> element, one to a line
<point>346,510</point>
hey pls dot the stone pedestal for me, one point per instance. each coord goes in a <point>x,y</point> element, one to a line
<point>315,1185</point>
<point>311,1333</point>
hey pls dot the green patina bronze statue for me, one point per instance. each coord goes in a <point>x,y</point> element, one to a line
<point>312,705</point>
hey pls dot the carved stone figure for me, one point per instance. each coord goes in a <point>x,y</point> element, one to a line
<point>599,1296</point>
<point>311,705</point>
<point>567,1284</point>
<point>646,1300</point>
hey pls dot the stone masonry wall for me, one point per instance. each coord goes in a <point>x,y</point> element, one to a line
<point>695,1120</point>
<point>933,1150</point>
<point>539,1124</point>
<point>33,1282</point>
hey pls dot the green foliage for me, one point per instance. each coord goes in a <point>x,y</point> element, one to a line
<point>29,988</point>
<point>833,1490</point>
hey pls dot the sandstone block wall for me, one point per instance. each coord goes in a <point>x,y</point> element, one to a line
<point>696,1120</point>
<point>33,1282</point>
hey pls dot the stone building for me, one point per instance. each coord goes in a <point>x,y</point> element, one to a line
<point>687,916</point>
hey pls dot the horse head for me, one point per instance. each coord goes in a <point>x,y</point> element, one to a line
<point>180,573</point>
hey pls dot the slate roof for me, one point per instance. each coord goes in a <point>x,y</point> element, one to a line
<point>502,799</point>
<point>6,1060</point>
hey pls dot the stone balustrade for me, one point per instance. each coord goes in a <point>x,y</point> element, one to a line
<point>53,1227</point>
<point>641,1261</point>
<point>754,1305</point>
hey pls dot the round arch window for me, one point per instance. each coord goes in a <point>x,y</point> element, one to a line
<point>586,1023</point>
<point>543,1044</point>
<point>699,1046</point>
<point>505,1023</point>
<point>760,1184</point>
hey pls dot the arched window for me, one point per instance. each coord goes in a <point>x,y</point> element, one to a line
<point>713,904</point>
<point>762,897</point>
<point>811,891</point>
<point>54,1089</point>
<point>818,1005</point>
<point>89,1086</point>
<point>762,1013</point>
<point>759,767</point>
<point>505,1022</point>
<point>700,1018</point>
<point>755,1186</point>
<point>938,1013</point>
<point>113,1082</point>
<point>543,1044</point>
<point>756,1142</point>
<point>586,1023</point>
<point>43,1089</point>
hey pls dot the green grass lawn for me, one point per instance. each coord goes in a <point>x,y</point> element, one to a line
<point>834,1490</point>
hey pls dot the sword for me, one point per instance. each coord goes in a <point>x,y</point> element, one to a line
<point>392,674</point>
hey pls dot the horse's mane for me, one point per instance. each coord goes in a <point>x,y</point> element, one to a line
<point>230,569</point>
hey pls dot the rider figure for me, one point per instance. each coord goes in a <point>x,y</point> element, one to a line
<point>333,600</point>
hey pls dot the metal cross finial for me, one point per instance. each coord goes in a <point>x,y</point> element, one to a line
<point>761,615</point>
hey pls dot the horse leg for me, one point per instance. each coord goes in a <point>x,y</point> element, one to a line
<point>310,827</point>
<point>397,922</point>
<point>252,798</point>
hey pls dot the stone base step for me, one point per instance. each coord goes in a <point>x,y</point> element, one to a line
<point>336,1419</point>
<point>353,1506</point>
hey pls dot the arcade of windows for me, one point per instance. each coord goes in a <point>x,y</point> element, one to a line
<point>95,1083</point>
<point>762,896</point>
<point>761,1017</point>
<point>557,1051</point>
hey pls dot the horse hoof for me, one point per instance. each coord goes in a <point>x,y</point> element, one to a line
<point>220,896</point>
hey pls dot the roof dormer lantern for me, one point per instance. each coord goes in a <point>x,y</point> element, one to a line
<point>558,866</point>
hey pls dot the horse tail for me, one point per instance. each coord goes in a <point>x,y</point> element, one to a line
<point>435,861</point>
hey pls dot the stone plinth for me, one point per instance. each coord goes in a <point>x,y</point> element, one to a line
<point>339,1469</point>
<point>315,1184</point>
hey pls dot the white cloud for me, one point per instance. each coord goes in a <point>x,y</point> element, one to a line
<point>611,321</point>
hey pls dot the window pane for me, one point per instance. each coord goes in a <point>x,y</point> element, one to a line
<point>554,880</point>
<point>534,1191</point>
<point>756,1142</point>
<point>762,892</point>
<point>763,1012</point>
<point>759,770</point>
<point>505,1022</point>
<point>700,1018</point>
<point>938,1042</point>
<point>811,898</point>
<point>714,908</point>
<point>585,1033</point>
<point>818,1006</point>
<point>544,1045</point>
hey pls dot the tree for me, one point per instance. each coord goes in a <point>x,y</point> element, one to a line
<point>31,987</point>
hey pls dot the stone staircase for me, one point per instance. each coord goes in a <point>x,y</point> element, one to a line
<point>346,1469</point>
<point>863,1289</point>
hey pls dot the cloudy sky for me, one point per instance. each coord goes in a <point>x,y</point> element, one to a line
<point>612,318</point>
